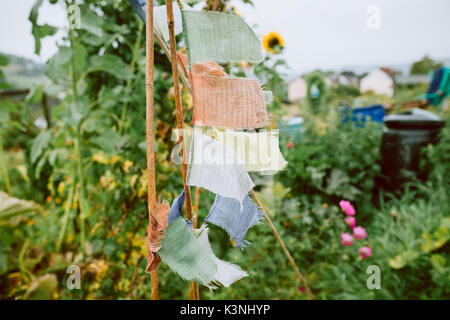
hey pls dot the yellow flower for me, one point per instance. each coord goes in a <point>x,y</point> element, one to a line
<point>273,42</point>
<point>127,165</point>
<point>114,159</point>
<point>61,187</point>
<point>100,157</point>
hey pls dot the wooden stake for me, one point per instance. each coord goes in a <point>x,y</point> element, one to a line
<point>179,111</point>
<point>283,246</point>
<point>150,134</point>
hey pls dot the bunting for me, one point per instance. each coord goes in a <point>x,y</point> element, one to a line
<point>159,17</point>
<point>189,253</point>
<point>217,168</point>
<point>219,163</point>
<point>186,255</point>
<point>227,273</point>
<point>228,102</point>
<point>156,230</point>
<point>219,37</point>
<point>160,21</point>
<point>226,213</point>
<point>260,151</point>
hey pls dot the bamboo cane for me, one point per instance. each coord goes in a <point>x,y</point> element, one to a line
<point>150,134</point>
<point>283,246</point>
<point>179,112</point>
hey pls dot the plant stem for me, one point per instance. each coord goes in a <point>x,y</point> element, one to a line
<point>78,151</point>
<point>4,169</point>
<point>65,218</point>
<point>130,81</point>
<point>22,253</point>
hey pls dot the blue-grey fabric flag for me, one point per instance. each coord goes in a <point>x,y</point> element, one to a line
<point>176,207</point>
<point>226,213</point>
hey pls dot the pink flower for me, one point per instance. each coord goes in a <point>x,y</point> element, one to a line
<point>365,252</point>
<point>290,145</point>
<point>346,239</point>
<point>351,221</point>
<point>302,290</point>
<point>347,207</point>
<point>359,233</point>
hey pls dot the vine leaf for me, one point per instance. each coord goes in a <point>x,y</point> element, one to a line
<point>39,31</point>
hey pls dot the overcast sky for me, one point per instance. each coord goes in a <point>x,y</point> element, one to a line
<point>326,34</point>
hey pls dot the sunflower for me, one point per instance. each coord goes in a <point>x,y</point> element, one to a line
<point>273,42</point>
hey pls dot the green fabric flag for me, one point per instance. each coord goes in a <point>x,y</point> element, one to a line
<point>186,255</point>
<point>219,37</point>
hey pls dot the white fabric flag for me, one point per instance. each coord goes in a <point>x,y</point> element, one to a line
<point>160,21</point>
<point>260,151</point>
<point>227,273</point>
<point>217,168</point>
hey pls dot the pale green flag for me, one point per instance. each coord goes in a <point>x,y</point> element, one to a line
<point>219,37</point>
<point>186,255</point>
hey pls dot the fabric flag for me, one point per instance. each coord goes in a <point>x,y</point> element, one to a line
<point>260,151</point>
<point>177,207</point>
<point>226,213</point>
<point>213,69</point>
<point>217,168</point>
<point>227,273</point>
<point>186,255</point>
<point>209,67</point>
<point>228,102</point>
<point>156,230</point>
<point>219,37</point>
<point>160,21</point>
<point>159,17</point>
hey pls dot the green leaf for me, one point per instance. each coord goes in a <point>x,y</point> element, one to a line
<point>80,54</point>
<point>441,235</point>
<point>34,11</point>
<point>40,143</point>
<point>438,262</point>
<point>39,31</point>
<point>43,288</point>
<point>57,65</point>
<point>107,141</point>
<point>91,22</point>
<point>10,206</point>
<point>402,259</point>
<point>6,106</point>
<point>35,95</point>
<point>111,64</point>
<point>4,61</point>
<point>336,181</point>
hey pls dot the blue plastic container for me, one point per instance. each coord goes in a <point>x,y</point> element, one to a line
<point>359,116</point>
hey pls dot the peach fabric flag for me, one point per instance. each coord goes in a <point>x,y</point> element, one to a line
<point>224,102</point>
<point>210,67</point>
<point>236,103</point>
<point>156,229</point>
